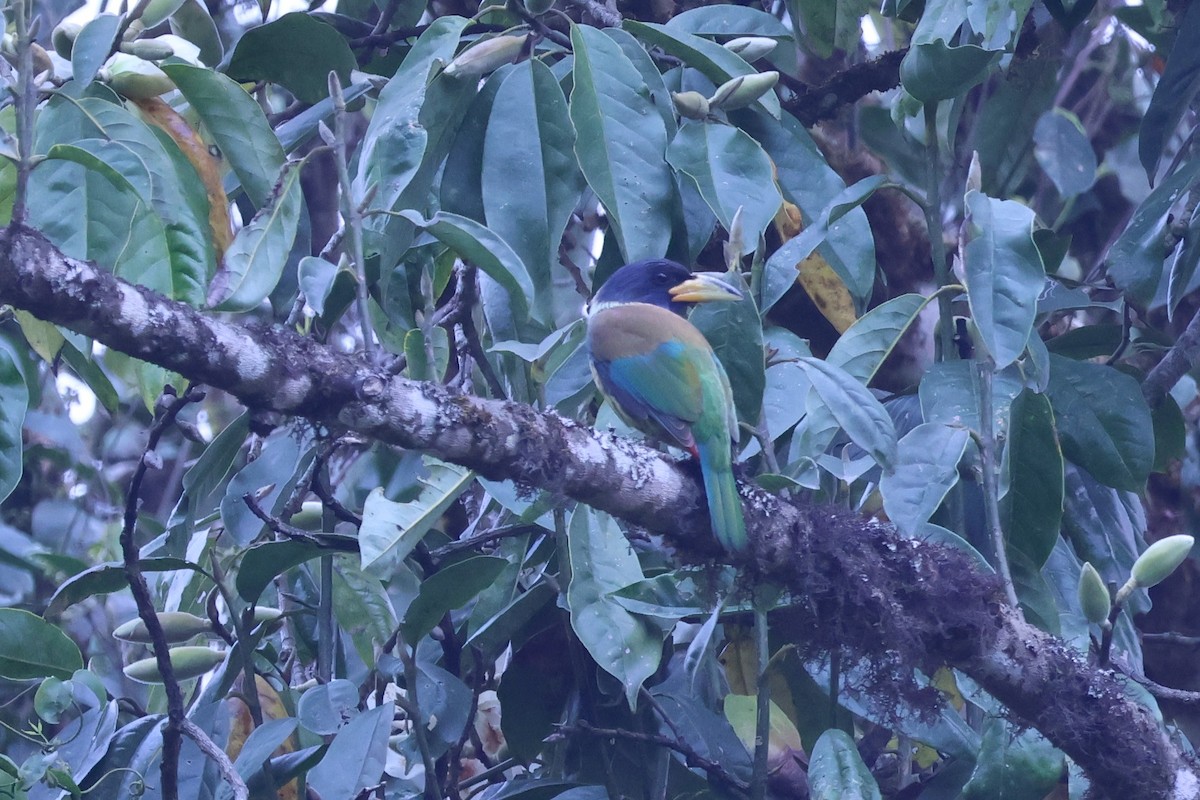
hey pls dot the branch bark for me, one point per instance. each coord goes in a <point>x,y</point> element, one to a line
<point>863,589</point>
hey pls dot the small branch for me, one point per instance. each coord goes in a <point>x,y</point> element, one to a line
<point>411,704</point>
<point>494,535</point>
<point>26,101</point>
<point>937,240</point>
<point>351,213</point>
<point>210,749</point>
<point>1183,356</point>
<point>991,485</point>
<point>811,104</point>
<point>167,410</point>
<point>693,759</point>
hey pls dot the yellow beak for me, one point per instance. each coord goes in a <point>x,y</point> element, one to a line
<point>704,287</point>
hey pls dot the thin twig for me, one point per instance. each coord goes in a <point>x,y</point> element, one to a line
<point>224,765</point>
<point>494,535</point>
<point>26,100</point>
<point>351,213</point>
<point>693,759</point>
<point>933,223</point>
<point>991,485</point>
<point>168,409</point>
<point>411,704</point>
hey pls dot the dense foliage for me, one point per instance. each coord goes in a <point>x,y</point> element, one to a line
<point>967,232</point>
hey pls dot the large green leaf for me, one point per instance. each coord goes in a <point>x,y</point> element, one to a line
<point>447,590</point>
<point>409,134</point>
<point>149,207</point>
<point>462,179</point>
<point>836,771</point>
<point>809,182</point>
<point>478,245</point>
<point>14,401</point>
<point>949,394</point>
<point>926,470</point>
<point>105,578</point>
<point>782,265</point>
<point>255,260</point>
<point>717,63</point>
<point>624,645</point>
<point>237,125</point>
<point>1135,261</point>
<point>1014,764</point>
<point>732,172</point>
<point>530,130</point>
<point>356,756</point>
<point>1063,151</point>
<point>362,607</point>
<point>1031,510</point>
<point>735,332</point>
<point>862,349</point>
<point>1004,274</point>
<point>1173,95</point>
<point>855,409</point>
<point>1103,421</point>
<point>934,71</point>
<point>296,51</point>
<point>31,648</point>
<point>724,19</point>
<point>621,143</point>
<point>92,46</point>
<point>259,564</point>
<point>825,26</point>
<point>390,530</point>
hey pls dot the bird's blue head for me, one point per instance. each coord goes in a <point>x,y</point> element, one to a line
<point>663,283</point>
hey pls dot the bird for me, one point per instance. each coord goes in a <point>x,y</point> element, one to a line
<point>662,376</point>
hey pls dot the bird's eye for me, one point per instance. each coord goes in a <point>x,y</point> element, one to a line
<point>662,279</point>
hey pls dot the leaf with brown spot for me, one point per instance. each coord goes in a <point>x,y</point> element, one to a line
<point>207,166</point>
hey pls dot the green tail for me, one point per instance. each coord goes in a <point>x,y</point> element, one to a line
<point>724,505</point>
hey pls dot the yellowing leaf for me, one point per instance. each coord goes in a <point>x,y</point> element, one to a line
<point>827,291</point>
<point>207,166</point>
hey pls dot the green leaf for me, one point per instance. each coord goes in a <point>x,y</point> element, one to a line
<point>1183,266</point>
<point>856,410</point>
<point>1170,433</point>
<point>1173,95</point>
<point>926,471</point>
<point>620,143</point>
<point>356,756</point>
<point>809,182</point>
<point>715,62</point>
<point>644,63</point>
<point>362,607</point>
<point>237,125</point>
<point>825,26</point>
<point>258,747</point>
<point>784,260</point>
<point>735,332</point>
<point>259,252</point>
<point>390,530</point>
<point>92,47</point>
<point>449,589</point>
<point>1031,510</point>
<point>936,71</point>
<point>866,344</point>
<point>1135,260</point>
<point>948,394</point>
<point>1103,422</point>
<point>14,401</point>
<point>1004,274</point>
<point>105,578</point>
<point>296,51</point>
<point>478,245</point>
<point>496,633</point>
<point>31,648</point>
<point>446,705</point>
<point>410,132</point>
<point>728,20</point>
<point>193,22</point>
<point>259,564</point>
<point>149,231</point>
<point>836,771</point>
<point>462,178</point>
<point>270,478</point>
<point>1063,150</point>
<point>624,645</point>
<point>326,708</point>
<point>1014,764</point>
<point>530,126</point>
<point>731,171</point>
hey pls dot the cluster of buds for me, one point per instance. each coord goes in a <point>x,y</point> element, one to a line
<point>178,626</point>
<point>734,93</point>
